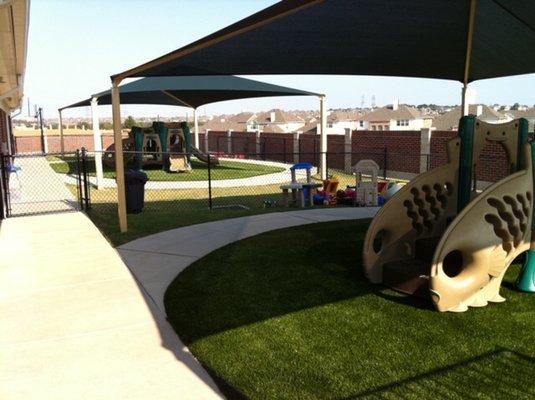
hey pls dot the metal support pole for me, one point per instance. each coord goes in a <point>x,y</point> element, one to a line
<point>196,128</point>
<point>97,142</point>
<point>323,138</point>
<point>468,56</point>
<point>209,181</point>
<point>61,140</point>
<point>119,162</point>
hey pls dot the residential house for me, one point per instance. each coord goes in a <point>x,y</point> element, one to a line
<point>529,114</point>
<point>399,117</point>
<point>450,120</point>
<point>279,120</point>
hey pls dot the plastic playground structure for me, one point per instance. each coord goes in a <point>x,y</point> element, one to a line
<point>167,145</point>
<point>441,239</point>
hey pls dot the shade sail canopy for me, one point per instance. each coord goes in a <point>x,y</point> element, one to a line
<point>191,91</point>
<point>417,38</point>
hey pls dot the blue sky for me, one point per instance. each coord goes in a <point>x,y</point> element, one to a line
<point>74,47</point>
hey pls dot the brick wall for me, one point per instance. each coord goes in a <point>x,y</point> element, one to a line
<point>492,164</point>
<point>335,151</point>
<point>277,146</point>
<point>400,150</point>
<point>32,144</point>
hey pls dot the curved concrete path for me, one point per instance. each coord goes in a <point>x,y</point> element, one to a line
<point>257,180</point>
<point>157,259</point>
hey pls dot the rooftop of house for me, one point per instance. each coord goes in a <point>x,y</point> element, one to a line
<point>450,120</point>
<point>390,112</point>
<point>529,113</point>
<point>278,116</point>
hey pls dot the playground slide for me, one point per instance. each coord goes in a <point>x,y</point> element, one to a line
<point>178,163</point>
<point>480,244</point>
<point>438,239</point>
<point>202,156</point>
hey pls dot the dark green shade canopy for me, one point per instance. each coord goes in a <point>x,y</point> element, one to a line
<point>191,91</point>
<point>413,38</point>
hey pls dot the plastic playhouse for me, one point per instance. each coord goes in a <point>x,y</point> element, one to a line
<point>441,239</point>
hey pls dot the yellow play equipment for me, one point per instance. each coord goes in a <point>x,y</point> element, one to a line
<point>438,237</point>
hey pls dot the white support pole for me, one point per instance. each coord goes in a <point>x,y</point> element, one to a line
<point>323,138</point>
<point>464,104</point>
<point>97,142</point>
<point>61,139</point>
<point>196,128</point>
<point>119,163</point>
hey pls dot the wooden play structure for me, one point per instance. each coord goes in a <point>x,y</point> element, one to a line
<point>439,238</point>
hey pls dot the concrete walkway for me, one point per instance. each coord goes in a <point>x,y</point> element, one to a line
<point>157,259</point>
<point>36,188</point>
<point>76,325</point>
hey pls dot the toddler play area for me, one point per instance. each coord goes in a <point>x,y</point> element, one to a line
<point>442,239</point>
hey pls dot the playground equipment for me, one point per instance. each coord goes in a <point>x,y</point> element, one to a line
<point>438,237</point>
<point>302,193</point>
<point>167,145</point>
<point>366,189</point>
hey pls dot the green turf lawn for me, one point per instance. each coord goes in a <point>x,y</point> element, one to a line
<point>289,315</point>
<point>227,169</point>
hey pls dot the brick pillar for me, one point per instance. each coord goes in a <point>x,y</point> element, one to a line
<point>229,141</point>
<point>297,154</point>
<point>258,146</point>
<point>425,148</point>
<point>206,149</point>
<point>347,151</point>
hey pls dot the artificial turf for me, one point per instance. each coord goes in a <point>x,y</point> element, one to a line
<point>288,314</point>
<point>226,169</point>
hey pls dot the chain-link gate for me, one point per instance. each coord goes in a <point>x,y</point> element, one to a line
<point>42,184</point>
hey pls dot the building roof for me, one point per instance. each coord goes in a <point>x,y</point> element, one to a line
<point>222,124</point>
<point>273,128</point>
<point>450,120</point>
<point>529,113</point>
<point>340,115</point>
<point>281,117</point>
<point>14,24</point>
<point>387,113</point>
<point>243,117</point>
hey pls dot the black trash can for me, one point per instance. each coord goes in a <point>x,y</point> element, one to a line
<point>135,190</point>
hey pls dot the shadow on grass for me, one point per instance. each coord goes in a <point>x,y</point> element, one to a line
<point>473,375</point>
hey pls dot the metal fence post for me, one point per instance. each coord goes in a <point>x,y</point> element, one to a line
<point>209,182</point>
<point>79,180</point>
<point>84,172</point>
